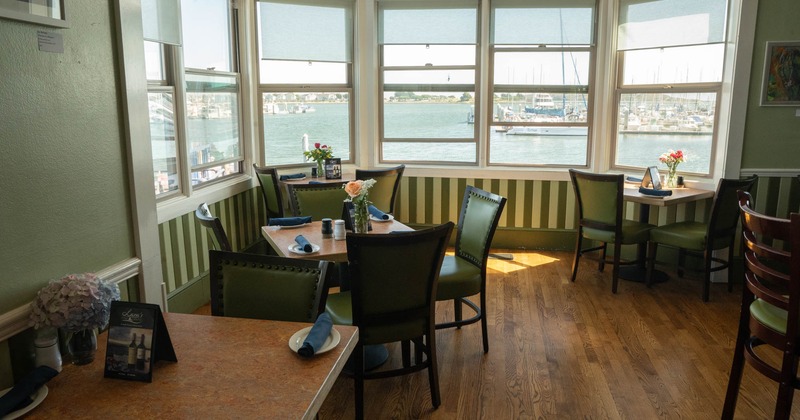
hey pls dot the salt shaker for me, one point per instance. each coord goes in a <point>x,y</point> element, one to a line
<point>327,229</point>
<point>338,230</point>
<point>47,353</point>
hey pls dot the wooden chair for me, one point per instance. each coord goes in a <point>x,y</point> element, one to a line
<point>392,298</point>
<point>268,287</point>
<point>770,311</point>
<point>387,182</point>
<point>217,234</point>
<point>702,239</point>
<point>270,190</point>
<point>600,219</point>
<point>317,200</point>
<point>464,274</point>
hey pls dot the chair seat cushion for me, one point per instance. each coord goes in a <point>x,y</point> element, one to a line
<point>339,306</point>
<point>769,315</point>
<point>686,235</point>
<point>632,233</point>
<point>458,278</point>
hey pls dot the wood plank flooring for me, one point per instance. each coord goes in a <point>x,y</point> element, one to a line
<point>567,350</point>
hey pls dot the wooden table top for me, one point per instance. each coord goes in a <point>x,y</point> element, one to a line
<point>227,368</point>
<point>346,176</point>
<point>679,196</point>
<point>330,249</point>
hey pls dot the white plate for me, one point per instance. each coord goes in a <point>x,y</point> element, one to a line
<point>299,337</point>
<point>39,395</point>
<point>375,219</point>
<point>293,226</point>
<point>297,250</point>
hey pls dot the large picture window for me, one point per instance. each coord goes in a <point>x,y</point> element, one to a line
<point>428,53</point>
<point>669,81</point>
<point>542,65</point>
<point>305,77</point>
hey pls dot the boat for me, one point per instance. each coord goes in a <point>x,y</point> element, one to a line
<point>471,115</point>
<point>542,104</point>
<point>548,131</point>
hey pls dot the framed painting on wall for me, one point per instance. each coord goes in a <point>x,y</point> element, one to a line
<point>44,12</point>
<point>781,86</point>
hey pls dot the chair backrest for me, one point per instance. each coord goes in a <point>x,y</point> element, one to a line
<point>268,287</point>
<point>387,183</point>
<point>725,211</point>
<point>480,214</point>
<point>317,200</point>
<point>393,282</point>
<point>270,190</point>
<point>215,230</point>
<point>771,271</point>
<point>599,199</point>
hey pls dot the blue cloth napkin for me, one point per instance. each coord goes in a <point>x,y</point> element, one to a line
<point>315,182</point>
<point>316,336</point>
<point>633,179</point>
<point>20,396</point>
<point>303,242</point>
<point>291,176</point>
<point>289,221</point>
<point>655,193</point>
<point>377,213</point>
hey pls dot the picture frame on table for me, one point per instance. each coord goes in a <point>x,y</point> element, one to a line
<point>49,13</point>
<point>781,83</point>
<point>333,168</point>
<point>651,178</point>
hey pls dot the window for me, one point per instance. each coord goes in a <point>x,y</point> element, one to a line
<point>305,78</point>
<point>198,141</point>
<point>669,81</point>
<point>428,54</point>
<point>542,64</point>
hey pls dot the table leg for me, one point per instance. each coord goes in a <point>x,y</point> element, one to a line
<point>638,272</point>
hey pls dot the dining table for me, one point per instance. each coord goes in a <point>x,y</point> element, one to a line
<point>680,195</point>
<point>227,368</point>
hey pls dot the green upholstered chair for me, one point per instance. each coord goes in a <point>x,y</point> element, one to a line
<point>600,219</point>
<point>270,190</point>
<point>464,274</point>
<point>770,311</point>
<point>387,182</point>
<point>317,200</point>
<point>392,298</point>
<point>702,239</point>
<point>216,232</point>
<point>267,287</point>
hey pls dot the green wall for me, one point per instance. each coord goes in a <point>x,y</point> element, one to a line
<point>772,134</point>
<point>65,203</point>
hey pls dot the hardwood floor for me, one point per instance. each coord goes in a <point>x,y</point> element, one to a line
<point>567,350</point>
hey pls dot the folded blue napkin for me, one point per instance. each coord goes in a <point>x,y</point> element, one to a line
<point>633,179</point>
<point>316,336</point>
<point>377,213</point>
<point>289,221</point>
<point>20,396</point>
<point>291,176</point>
<point>315,182</point>
<point>655,193</point>
<point>303,242</point>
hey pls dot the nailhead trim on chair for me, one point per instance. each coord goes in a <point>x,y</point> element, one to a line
<point>477,262</point>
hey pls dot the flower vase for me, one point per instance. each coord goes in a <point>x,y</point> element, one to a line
<point>672,177</point>
<point>82,346</point>
<point>361,216</point>
<point>320,169</point>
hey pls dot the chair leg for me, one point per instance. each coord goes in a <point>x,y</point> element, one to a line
<point>358,368</point>
<point>484,328</point>
<point>615,271</point>
<point>706,275</point>
<point>405,346</point>
<point>457,311</point>
<point>730,266</point>
<point>681,261</point>
<point>577,254</point>
<point>652,249</point>
<point>602,265</point>
<point>783,407</point>
<point>433,368</point>
<point>737,366</point>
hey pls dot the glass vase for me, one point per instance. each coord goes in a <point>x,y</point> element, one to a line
<point>82,345</point>
<point>321,169</point>
<point>672,177</point>
<point>361,216</point>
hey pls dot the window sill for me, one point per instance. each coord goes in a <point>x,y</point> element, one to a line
<point>178,206</point>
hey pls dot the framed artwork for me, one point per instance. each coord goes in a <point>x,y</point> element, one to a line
<point>44,12</point>
<point>781,85</point>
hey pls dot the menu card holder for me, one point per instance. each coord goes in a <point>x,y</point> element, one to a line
<point>136,331</point>
<point>333,168</point>
<point>651,176</point>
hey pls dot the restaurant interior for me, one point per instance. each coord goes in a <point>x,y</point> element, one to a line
<point>555,342</point>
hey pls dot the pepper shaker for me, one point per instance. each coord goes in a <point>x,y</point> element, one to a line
<point>327,228</point>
